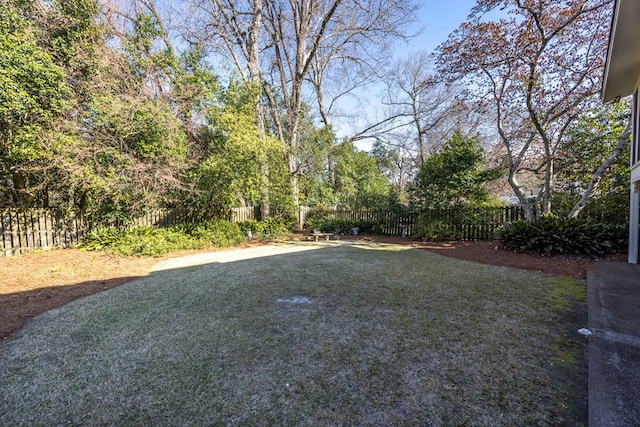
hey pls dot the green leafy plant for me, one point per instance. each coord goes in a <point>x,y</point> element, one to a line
<point>453,175</point>
<point>552,235</point>
<point>317,217</point>
<point>320,220</point>
<point>223,233</point>
<point>336,226</point>
<point>435,229</point>
<point>270,228</point>
<point>152,241</point>
<point>100,239</point>
<point>368,227</point>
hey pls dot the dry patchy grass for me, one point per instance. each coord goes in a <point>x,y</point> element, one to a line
<point>299,334</point>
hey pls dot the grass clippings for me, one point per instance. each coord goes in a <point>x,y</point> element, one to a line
<point>297,334</point>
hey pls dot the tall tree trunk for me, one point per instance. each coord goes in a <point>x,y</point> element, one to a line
<point>548,182</point>
<point>294,124</point>
<point>253,64</point>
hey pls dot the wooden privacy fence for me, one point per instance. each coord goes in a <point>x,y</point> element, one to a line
<point>390,222</point>
<point>31,229</point>
<point>245,214</point>
<point>475,223</point>
<point>169,217</point>
<point>26,230</point>
<point>466,224</point>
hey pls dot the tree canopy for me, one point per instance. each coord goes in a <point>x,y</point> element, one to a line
<point>109,108</point>
<point>453,175</point>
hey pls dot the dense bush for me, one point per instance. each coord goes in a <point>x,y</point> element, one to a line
<point>268,229</point>
<point>429,228</point>
<point>157,241</point>
<point>369,227</point>
<point>438,225</point>
<point>551,235</point>
<point>337,226</point>
<point>610,208</point>
<point>320,220</point>
<point>100,239</point>
<point>152,241</point>
<point>316,219</point>
<point>221,233</point>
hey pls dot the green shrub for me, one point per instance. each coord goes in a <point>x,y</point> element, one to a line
<point>439,225</point>
<point>552,235</point>
<point>339,226</point>
<point>223,233</point>
<point>141,231</point>
<point>158,241</point>
<point>368,227</point>
<point>153,242</point>
<point>100,239</point>
<point>316,220</point>
<point>268,229</point>
<point>190,228</point>
<point>320,220</point>
<point>335,226</point>
<point>430,227</point>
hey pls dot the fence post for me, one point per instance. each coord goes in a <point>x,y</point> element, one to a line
<point>5,228</point>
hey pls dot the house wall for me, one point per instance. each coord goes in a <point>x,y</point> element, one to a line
<point>634,212</point>
<point>621,79</point>
<point>634,220</point>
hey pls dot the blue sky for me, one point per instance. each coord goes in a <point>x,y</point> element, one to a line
<point>440,18</point>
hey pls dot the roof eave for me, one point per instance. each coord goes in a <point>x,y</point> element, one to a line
<point>622,68</point>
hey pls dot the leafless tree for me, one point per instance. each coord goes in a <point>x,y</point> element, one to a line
<point>421,112</point>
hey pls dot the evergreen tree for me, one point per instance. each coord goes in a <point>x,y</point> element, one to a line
<point>453,175</point>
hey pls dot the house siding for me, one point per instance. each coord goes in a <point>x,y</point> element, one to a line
<point>634,211</point>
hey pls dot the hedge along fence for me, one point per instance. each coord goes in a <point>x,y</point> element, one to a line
<point>32,229</point>
<point>462,223</point>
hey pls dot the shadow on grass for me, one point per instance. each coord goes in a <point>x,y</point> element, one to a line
<point>17,309</point>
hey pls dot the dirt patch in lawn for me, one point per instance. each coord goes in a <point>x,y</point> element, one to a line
<point>33,283</point>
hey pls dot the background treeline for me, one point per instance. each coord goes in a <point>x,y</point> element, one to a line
<point>110,120</point>
<point>109,109</point>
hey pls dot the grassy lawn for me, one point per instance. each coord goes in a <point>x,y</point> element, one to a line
<point>302,334</point>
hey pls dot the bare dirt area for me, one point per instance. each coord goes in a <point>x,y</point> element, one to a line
<point>33,283</point>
